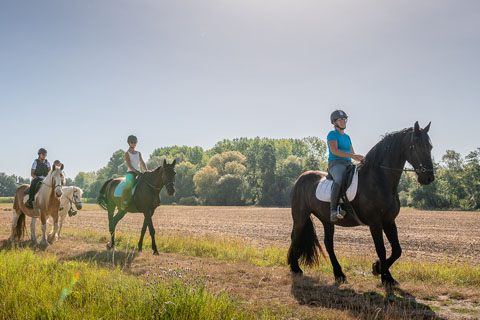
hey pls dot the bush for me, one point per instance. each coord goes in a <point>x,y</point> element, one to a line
<point>189,201</point>
<point>6,199</point>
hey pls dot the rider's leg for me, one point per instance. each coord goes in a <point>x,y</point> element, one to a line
<point>31,193</point>
<point>127,189</point>
<point>337,169</point>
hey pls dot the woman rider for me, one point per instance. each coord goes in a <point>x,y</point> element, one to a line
<point>40,169</point>
<point>134,161</point>
<point>340,154</point>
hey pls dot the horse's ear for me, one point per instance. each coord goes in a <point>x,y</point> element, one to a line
<point>61,168</point>
<point>174,162</point>
<point>164,162</point>
<point>427,127</point>
<point>416,128</point>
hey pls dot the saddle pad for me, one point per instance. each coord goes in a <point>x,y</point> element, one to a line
<point>324,189</point>
<point>119,189</point>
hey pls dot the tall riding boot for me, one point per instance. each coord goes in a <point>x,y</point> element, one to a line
<point>31,194</point>
<point>336,212</point>
<point>125,198</point>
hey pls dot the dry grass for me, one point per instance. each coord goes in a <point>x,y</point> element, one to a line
<point>271,291</point>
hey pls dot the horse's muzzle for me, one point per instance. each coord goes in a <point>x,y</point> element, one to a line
<point>79,206</point>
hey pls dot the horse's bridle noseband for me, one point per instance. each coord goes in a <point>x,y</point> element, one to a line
<point>422,168</point>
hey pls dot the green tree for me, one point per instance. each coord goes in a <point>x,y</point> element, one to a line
<point>229,190</point>
<point>8,185</point>
<point>205,181</point>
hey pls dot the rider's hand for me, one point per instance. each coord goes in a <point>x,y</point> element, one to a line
<point>358,157</point>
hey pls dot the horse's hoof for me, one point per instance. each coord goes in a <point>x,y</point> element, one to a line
<point>109,246</point>
<point>376,268</point>
<point>155,253</point>
<point>139,249</point>
<point>340,280</point>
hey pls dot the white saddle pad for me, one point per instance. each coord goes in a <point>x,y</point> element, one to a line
<point>324,189</point>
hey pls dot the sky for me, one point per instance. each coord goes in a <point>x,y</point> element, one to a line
<point>77,77</point>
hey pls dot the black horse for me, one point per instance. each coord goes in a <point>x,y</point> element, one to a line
<point>376,203</point>
<point>145,199</point>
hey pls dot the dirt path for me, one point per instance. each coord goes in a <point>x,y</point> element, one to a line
<point>429,235</point>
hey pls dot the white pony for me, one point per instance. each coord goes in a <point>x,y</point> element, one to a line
<point>71,196</point>
<point>46,203</point>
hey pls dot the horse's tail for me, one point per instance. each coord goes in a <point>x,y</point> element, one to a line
<point>305,245</point>
<point>102,196</point>
<point>20,228</point>
<point>308,247</point>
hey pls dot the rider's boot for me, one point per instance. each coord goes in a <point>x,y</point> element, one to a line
<point>336,212</point>
<point>125,199</point>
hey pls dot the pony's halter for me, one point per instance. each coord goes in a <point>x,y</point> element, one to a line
<point>73,197</point>
<point>421,169</point>
<point>50,186</point>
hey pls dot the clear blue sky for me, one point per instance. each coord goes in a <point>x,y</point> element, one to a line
<point>77,77</point>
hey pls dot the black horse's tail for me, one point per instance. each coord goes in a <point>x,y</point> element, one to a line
<point>102,197</point>
<point>305,245</point>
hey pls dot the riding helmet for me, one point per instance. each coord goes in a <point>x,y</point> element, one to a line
<point>132,138</point>
<point>42,151</point>
<point>337,114</point>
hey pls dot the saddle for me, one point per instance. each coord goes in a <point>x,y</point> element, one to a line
<point>119,189</point>
<point>349,185</point>
<point>27,189</point>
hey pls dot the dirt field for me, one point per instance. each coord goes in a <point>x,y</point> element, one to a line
<point>431,235</point>
<point>424,235</point>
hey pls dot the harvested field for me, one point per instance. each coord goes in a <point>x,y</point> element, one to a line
<point>424,235</point>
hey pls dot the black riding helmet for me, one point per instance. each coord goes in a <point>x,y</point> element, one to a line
<point>337,114</point>
<point>42,151</point>
<point>132,138</point>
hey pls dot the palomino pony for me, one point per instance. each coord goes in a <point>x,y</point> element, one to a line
<point>71,196</point>
<point>376,203</point>
<point>46,203</point>
<point>145,199</point>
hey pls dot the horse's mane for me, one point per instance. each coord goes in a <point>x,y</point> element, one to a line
<point>385,146</point>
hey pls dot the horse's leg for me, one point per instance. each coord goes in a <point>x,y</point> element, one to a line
<point>304,239</point>
<point>142,234</point>
<point>53,234</point>
<point>148,219</point>
<point>62,218</point>
<point>329,230</point>
<point>14,225</point>
<point>112,224</point>
<point>377,235</point>
<point>33,235</point>
<point>44,242</point>
<point>392,236</point>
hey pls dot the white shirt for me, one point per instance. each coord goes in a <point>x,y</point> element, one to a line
<point>134,160</point>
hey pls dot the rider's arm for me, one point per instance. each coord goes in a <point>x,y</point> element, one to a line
<point>339,153</point>
<point>142,163</point>
<point>33,174</point>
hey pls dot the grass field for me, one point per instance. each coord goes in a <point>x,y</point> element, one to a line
<point>239,255</point>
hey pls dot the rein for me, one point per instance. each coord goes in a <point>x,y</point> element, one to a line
<point>422,168</point>
<point>151,185</point>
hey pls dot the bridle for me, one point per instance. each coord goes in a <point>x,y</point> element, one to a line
<point>50,186</point>
<point>71,199</point>
<point>421,169</point>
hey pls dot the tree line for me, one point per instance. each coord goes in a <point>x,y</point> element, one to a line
<point>261,171</point>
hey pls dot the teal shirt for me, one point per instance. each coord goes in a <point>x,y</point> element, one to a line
<point>343,143</point>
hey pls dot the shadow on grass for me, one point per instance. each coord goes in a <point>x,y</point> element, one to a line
<point>367,305</point>
<point>108,258</point>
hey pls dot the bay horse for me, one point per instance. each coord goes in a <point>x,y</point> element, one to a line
<point>146,199</point>
<point>376,202</point>
<point>46,203</point>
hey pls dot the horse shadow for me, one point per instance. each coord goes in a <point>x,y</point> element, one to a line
<point>106,258</point>
<point>367,305</point>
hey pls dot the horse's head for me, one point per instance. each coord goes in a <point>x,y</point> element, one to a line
<point>168,176</point>
<point>55,179</point>
<point>77,197</point>
<point>419,154</point>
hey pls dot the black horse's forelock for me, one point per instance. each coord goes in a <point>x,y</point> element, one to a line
<point>389,141</point>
